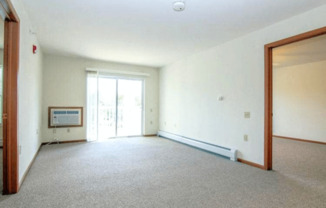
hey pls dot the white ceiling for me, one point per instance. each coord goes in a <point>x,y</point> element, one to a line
<point>149,32</point>
<point>302,52</point>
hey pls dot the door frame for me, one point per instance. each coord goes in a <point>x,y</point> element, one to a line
<point>10,99</point>
<point>268,137</point>
<point>117,78</point>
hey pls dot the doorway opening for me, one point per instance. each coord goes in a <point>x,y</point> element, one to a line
<point>299,113</point>
<point>114,107</point>
<point>10,97</point>
<point>268,161</point>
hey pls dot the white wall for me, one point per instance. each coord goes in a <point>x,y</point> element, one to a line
<point>64,84</point>
<point>189,88</point>
<point>299,101</point>
<point>29,92</point>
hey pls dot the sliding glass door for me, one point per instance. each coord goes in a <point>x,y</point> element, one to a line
<point>107,110</point>
<point>115,109</point>
<point>129,107</point>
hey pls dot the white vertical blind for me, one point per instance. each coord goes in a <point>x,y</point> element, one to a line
<point>92,106</point>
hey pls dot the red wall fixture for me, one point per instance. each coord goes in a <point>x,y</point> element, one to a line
<point>34,49</point>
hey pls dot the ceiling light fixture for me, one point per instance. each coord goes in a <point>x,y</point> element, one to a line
<point>179,6</point>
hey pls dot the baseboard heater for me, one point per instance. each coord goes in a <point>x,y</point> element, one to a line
<point>224,151</point>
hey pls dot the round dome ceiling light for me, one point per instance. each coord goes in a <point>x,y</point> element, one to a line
<point>179,6</point>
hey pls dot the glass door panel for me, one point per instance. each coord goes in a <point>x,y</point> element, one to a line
<point>129,122</point>
<point>107,107</point>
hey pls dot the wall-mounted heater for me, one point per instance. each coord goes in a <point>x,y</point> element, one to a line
<point>65,117</point>
<point>224,151</point>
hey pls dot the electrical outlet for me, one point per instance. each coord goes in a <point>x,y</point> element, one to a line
<point>151,122</point>
<point>245,137</point>
<point>151,110</point>
<point>247,114</point>
<point>68,130</point>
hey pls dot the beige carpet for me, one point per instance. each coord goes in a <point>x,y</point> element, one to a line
<point>301,161</point>
<point>155,172</point>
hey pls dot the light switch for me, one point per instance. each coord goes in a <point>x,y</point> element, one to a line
<point>220,98</point>
<point>247,114</point>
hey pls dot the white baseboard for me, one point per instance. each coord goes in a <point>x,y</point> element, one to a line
<point>224,151</point>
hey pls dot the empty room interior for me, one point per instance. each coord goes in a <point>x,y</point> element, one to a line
<point>168,103</point>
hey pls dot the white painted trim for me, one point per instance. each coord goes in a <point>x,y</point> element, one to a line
<point>224,151</point>
<point>110,71</point>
